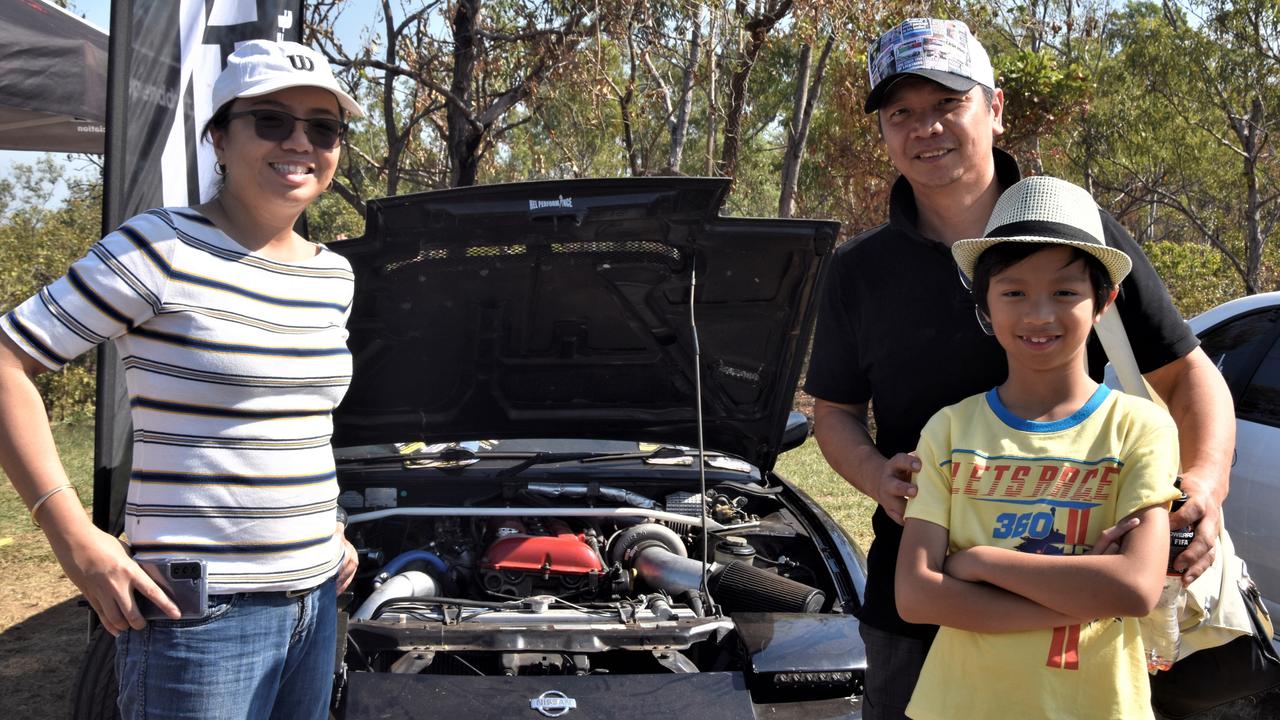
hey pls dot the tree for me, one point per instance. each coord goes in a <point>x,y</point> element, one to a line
<point>1212,83</point>
<point>806,98</point>
<point>753,30</point>
<point>37,244</point>
<point>445,99</point>
<point>1234,47</point>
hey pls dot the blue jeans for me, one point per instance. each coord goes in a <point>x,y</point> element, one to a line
<point>253,656</point>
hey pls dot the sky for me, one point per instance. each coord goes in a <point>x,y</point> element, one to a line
<point>360,14</point>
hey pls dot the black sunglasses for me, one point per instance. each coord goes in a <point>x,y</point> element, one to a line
<point>277,125</point>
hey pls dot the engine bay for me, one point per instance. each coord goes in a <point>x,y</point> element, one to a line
<point>583,578</point>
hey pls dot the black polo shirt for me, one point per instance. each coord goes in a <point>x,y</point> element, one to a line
<point>897,328</point>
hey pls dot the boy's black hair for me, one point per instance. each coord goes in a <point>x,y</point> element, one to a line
<point>1001,256</point>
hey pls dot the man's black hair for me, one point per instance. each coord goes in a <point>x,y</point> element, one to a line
<point>1000,257</point>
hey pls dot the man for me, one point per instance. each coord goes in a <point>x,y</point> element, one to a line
<point>897,329</point>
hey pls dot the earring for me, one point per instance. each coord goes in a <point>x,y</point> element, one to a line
<point>219,169</point>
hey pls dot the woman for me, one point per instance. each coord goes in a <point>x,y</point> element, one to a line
<point>231,329</point>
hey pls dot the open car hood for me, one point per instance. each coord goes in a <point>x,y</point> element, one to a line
<point>561,309</point>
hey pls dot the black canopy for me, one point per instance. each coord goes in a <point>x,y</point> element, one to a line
<point>53,79</point>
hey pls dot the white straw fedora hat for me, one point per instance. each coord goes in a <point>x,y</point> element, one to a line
<point>260,67</point>
<point>1044,209</point>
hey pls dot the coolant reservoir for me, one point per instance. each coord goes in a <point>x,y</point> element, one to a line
<point>734,548</point>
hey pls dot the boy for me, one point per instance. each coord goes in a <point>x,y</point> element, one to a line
<point>1017,484</point>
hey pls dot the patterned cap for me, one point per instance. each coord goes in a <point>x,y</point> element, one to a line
<point>1044,209</point>
<point>943,51</point>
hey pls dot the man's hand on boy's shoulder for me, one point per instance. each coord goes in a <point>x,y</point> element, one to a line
<point>1203,511</point>
<point>895,485</point>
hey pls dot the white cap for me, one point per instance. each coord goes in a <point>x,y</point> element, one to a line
<point>261,67</point>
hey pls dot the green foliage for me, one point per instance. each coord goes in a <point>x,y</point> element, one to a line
<point>1045,90</point>
<point>1135,100</point>
<point>332,218</point>
<point>1197,276</point>
<point>37,244</point>
<point>1166,140</point>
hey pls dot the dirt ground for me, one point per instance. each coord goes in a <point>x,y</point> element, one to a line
<point>42,638</point>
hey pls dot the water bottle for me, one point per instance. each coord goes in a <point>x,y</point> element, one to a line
<point>1161,634</point>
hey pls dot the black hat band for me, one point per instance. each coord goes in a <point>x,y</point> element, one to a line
<point>1046,229</point>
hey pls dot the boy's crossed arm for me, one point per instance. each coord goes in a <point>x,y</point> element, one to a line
<point>1124,584</point>
<point>988,589</point>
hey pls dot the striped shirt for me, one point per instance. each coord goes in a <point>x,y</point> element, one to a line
<point>234,365</point>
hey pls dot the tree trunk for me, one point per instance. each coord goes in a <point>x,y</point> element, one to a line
<point>806,98</point>
<point>728,164</point>
<point>791,156</point>
<point>1253,206</point>
<point>624,103</point>
<point>464,137</point>
<point>757,30</point>
<point>680,127</point>
<point>712,108</point>
<point>395,141</point>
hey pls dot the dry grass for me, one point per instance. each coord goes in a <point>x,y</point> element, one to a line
<point>806,468</point>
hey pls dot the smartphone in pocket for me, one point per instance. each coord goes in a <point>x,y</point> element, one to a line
<point>183,580</point>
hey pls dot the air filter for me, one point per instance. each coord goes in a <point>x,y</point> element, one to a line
<point>743,587</point>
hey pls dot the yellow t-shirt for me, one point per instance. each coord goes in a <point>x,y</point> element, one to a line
<point>994,479</point>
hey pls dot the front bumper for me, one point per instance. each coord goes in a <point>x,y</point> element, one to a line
<point>707,696</point>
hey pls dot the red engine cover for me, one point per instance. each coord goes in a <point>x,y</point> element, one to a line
<point>562,554</point>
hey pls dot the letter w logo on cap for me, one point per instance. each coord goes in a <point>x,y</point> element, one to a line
<point>302,62</point>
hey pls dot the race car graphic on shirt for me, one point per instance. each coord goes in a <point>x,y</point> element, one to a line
<point>1037,527</point>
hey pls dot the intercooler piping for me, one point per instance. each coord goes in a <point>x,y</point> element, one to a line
<point>663,570</point>
<point>407,584</point>
<point>738,586</point>
<point>397,564</point>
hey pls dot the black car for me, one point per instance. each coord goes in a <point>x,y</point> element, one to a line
<point>556,458</point>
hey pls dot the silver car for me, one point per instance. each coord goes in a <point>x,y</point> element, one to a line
<point>1242,337</point>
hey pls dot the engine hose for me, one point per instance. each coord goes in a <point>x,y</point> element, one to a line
<point>397,564</point>
<point>695,603</point>
<point>405,585</point>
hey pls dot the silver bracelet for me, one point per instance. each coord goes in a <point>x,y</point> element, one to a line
<point>45,497</point>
